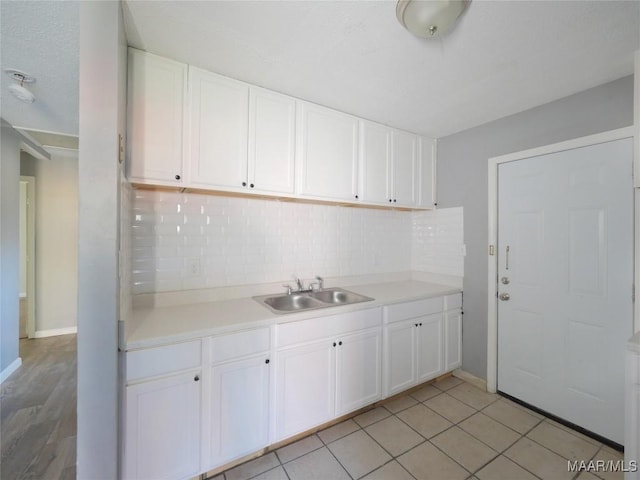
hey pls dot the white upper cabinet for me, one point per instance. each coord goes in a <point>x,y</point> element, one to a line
<point>156,103</point>
<point>327,153</point>
<point>388,165</point>
<point>272,130</point>
<point>427,172</point>
<point>219,130</point>
<point>375,162</point>
<point>404,147</point>
<point>191,128</point>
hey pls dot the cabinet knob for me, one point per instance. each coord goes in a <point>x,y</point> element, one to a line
<point>334,344</point>
<point>390,200</point>
<point>420,324</point>
<point>416,324</point>
<point>244,184</point>
<point>177,177</point>
<point>196,378</point>
<point>394,200</point>
<point>251,185</point>
<point>266,361</point>
<point>356,196</point>
<point>340,342</point>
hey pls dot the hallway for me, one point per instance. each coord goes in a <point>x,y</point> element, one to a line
<point>38,411</point>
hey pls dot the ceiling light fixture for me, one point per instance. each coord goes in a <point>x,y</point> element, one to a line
<point>429,18</point>
<point>18,89</point>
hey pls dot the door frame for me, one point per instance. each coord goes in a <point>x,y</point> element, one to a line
<point>31,253</point>
<point>492,277</point>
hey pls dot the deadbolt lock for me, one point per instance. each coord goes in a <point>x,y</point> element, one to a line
<point>505,280</point>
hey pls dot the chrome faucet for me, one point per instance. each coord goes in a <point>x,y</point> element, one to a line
<point>320,282</point>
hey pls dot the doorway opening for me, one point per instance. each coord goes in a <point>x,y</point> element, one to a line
<point>27,256</point>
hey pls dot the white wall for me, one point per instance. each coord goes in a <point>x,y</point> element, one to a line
<point>102,118</point>
<point>56,241</point>
<point>9,249</point>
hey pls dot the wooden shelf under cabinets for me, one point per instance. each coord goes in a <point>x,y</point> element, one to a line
<point>220,193</point>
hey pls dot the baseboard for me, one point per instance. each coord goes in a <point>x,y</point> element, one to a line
<point>481,383</point>
<point>10,369</point>
<point>55,332</point>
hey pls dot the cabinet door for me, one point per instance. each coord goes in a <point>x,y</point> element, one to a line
<point>430,347</point>
<point>162,428</point>
<point>453,339</point>
<point>271,141</point>
<point>427,172</point>
<point>375,163</point>
<point>219,130</point>
<point>400,351</point>
<point>404,156</point>
<point>328,153</point>
<point>239,408</point>
<point>155,107</point>
<point>358,376</point>
<point>305,387</point>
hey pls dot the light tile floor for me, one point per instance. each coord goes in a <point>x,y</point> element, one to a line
<point>446,430</point>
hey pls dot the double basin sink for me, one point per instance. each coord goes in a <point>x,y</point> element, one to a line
<point>312,300</point>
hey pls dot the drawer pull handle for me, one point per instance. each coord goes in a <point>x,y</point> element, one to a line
<point>266,361</point>
<point>196,378</point>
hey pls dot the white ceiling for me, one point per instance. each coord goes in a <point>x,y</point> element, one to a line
<point>502,58</point>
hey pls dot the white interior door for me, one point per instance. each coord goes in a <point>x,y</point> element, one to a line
<point>565,276</point>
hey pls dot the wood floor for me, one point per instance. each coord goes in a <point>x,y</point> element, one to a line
<point>38,412</point>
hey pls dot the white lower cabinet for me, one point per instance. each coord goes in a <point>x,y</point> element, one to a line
<point>413,344</point>
<point>162,427</point>
<point>326,367</point>
<point>453,332</point>
<point>305,387</point>
<point>632,410</point>
<point>239,408</point>
<point>238,405</point>
<point>193,406</point>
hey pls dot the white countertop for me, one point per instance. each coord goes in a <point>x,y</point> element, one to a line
<point>153,326</point>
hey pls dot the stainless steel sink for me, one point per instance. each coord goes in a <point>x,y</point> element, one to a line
<point>338,296</point>
<point>291,303</point>
<point>302,301</point>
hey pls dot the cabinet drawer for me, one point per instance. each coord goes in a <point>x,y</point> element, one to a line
<point>317,328</point>
<point>453,301</point>
<point>151,362</point>
<point>238,345</point>
<point>404,311</point>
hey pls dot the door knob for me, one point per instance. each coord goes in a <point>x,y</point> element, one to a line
<point>505,280</point>
<point>504,297</point>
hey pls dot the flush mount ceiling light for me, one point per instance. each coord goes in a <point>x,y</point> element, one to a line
<point>18,89</point>
<point>429,18</point>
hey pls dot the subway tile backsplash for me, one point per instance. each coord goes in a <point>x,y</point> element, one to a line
<point>438,241</point>
<point>189,241</point>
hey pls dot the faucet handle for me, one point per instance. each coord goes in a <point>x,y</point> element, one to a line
<point>288,287</point>
<point>320,282</point>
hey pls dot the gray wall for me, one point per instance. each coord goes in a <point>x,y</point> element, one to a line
<point>103,56</point>
<point>9,245</point>
<point>462,181</point>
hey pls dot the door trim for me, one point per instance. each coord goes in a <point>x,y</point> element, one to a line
<point>492,277</point>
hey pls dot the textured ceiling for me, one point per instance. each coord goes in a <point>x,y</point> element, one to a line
<point>41,38</point>
<point>502,58</point>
